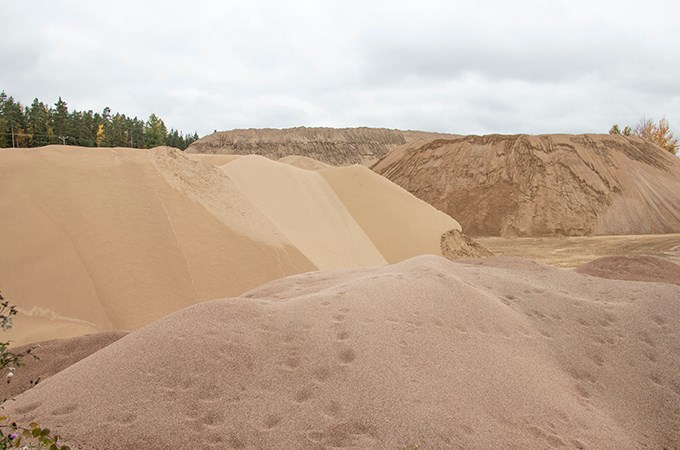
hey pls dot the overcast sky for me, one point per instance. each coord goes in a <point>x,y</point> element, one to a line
<point>480,67</point>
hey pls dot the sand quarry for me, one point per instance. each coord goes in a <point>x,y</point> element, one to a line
<point>236,301</point>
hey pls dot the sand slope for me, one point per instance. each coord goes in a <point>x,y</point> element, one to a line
<point>543,185</point>
<point>105,239</point>
<point>306,210</point>
<point>53,357</point>
<point>335,146</point>
<point>495,353</point>
<point>399,224</point>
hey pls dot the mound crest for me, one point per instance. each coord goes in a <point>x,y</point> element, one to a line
<point>543,185</point>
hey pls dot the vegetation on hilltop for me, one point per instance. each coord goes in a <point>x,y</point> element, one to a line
<point>657,133</point>
<point>40,124</point>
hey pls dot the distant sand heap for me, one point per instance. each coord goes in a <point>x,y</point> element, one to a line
<point>633,268</point>
<point>109,239</point>
<point>335,146</point>
<point>543,185</point>
<point>493,353</point>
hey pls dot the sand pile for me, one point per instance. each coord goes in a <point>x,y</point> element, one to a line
<point>106,239</point>
<point>53,357</point>
<point>543,185</point>
<point>634,268</point>
<point>496,353</point>
<point>335,146</point>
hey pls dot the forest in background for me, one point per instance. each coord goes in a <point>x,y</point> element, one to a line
<point>40,124</point>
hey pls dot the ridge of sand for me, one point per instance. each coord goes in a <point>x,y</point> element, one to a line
<point>633,268</point>
<point>304,162</point>
<point>389,214</point>
<point>543,185</point>
<point>306,210</point>
<point>334,146</point>
<point>214,189</point>
<point>494,353</point>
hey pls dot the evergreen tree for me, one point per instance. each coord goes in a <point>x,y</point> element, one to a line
<point>14,123</point>
<point>38,123</point>
<point>60,121</point>
<point>154,132</point>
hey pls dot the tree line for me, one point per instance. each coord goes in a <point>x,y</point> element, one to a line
<point>40,124</point>
<point>659,133</point>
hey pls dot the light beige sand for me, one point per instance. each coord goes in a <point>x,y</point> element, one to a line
<point>215,160</point>
<point>307,212</point>
<point>304,162</point>
<point>399,224</point>
<point>107,239</point>
<point>495,353</point>
<point>97,239</point>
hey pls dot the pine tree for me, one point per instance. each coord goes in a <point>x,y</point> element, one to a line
<point>38,123</point>
<point>60,121</point>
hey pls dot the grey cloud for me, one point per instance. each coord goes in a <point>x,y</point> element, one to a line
<point>479,67</point>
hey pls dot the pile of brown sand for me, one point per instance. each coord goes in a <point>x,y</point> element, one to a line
<point>53,357</point>
<point>335,146</point>
<point>496,353</point>
<point>546,185</point>
<point>633,268</point>
<point>111,239</point>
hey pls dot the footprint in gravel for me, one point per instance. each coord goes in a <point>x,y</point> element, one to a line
<point>304,394</point>
<point>321,374</point>
<point>271,421</point>
<point>347,356</point>
<point>343,336</point>
<point>67,409</point>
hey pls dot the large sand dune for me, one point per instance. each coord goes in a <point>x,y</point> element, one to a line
<point>336,146</point>
<point>494,353</point>
<point>102,239</point>
<point>543,185</point>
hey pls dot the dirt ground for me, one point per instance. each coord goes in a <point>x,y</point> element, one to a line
<point>569,252</point>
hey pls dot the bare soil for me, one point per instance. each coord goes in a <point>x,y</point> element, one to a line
<point>569,252</point>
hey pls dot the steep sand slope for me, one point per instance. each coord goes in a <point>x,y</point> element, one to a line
<point>399,224</point>
<point>306,211</point>
<point>97,239</point>
<point>335,146</point>
<point>543,185</point>
<point>497,353</point>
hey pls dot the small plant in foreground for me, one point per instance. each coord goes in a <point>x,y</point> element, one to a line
<point>13,435</point>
